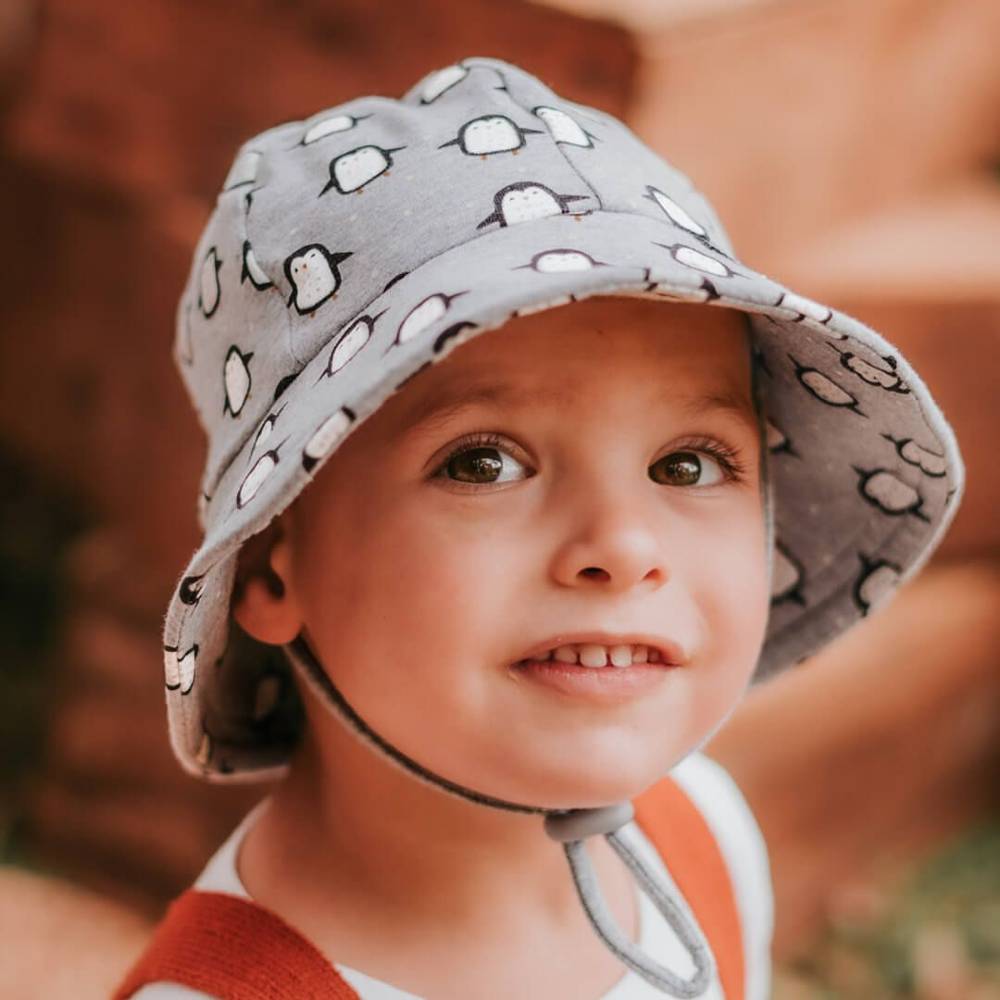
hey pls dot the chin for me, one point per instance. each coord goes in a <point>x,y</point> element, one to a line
<point>614,781</point>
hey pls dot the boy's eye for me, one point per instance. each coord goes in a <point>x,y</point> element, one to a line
<point>482,462</point>
<point>686,468</point>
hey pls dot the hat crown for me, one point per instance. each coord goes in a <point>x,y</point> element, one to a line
<point>317,217</point>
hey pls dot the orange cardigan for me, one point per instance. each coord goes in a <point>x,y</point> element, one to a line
<point>236,949</point>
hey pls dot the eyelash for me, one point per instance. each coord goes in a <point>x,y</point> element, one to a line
<point>729,458</point>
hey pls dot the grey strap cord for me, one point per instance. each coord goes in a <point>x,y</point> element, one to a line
<point>570,827</point>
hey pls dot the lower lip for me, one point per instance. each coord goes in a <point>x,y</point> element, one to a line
<point>599,684</point>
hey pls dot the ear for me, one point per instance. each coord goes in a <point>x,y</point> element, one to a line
<point>264,602</point>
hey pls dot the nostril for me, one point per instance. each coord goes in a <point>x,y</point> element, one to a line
<point>595,571</point>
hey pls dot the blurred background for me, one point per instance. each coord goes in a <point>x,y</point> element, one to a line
<point>852,148</point>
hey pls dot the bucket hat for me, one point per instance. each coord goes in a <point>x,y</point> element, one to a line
<point>348,251</point>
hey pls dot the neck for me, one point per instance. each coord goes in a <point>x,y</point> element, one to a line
<point>347,820</point>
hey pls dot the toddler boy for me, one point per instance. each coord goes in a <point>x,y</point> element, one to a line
<point>540,572</point>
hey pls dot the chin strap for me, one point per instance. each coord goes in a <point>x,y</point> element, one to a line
<point>570,827</point>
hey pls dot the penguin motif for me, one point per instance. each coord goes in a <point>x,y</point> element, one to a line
<point>330,126</point>
<point>236,379</point>
<point>561,260</point>
<point>326,437</point>
<point>885,490</point>
<point>536,307</point>
<point>354,338</point>
<point>351,171</point>
<point>705,292</point>
<point>697,260</point>
<point>674,212</point>
<point>873,374</point>
<point>453,336</point>
<point>252,271</point>
<point>489,134</point>
<point>777,442</point>
<point>424,314</point>
<point>824,388</point>
<point>393,280</point>
<point>928,462</point>
<point>185,345</point>
<point>265,429</point>
<point>209,289</point>
<point>444,79</point>
<point>787,577</point>
<point>314,276</point>
<point>875,583</point>
<point>523,201</point>
<point>563,128</point>
<point>257,475</point>
<point>803,307</point>
<point>243,171</point>
<point>284,383</point>
<point>180,670</point>
<point>190,589</point>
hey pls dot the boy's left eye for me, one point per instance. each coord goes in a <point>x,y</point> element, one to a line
<point>686,467</point>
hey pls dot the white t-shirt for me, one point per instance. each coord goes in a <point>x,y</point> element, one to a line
<point>740,841</point>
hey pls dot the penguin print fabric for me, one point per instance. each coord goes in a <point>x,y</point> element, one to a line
<point>348,251</point>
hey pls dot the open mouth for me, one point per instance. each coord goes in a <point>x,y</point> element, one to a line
<point>595,657</point>
<point>600,675</point>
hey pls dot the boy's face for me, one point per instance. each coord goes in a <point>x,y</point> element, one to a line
<point>421,579</point>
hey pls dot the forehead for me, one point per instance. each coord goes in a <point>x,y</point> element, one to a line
<point>693,357</point>
<point>705,341</point>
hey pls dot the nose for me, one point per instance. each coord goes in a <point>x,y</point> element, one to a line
<point>615,542</point>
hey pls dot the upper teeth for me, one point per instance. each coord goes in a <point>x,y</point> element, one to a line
<point>593,655</point>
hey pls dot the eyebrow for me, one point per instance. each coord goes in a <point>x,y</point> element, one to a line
<point>431,413</point>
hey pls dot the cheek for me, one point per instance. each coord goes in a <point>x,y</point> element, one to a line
<point>734,603</point>
<point>419,595</point>
<point>444,579</point>
<point>413,631</point>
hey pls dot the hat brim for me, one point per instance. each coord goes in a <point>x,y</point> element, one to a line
<point>866,471</point>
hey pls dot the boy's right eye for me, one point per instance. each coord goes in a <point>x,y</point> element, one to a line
<point>476,460</point>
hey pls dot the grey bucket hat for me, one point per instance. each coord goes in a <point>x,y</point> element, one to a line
<point>347,251</point>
